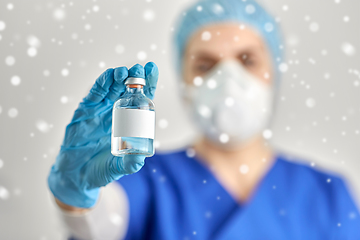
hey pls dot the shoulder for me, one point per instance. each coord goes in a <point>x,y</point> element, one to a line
<point>324,192</point>
<point>302,170</point>
<point>302,173</point>
<point>299,170</point>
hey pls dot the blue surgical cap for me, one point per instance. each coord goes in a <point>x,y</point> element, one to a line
<point>207,12</point>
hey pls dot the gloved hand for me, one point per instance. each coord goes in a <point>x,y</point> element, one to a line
<point>85,163</point>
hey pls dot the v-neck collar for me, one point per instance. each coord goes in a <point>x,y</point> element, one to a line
<point>255,192</point>
<point>239,211</point>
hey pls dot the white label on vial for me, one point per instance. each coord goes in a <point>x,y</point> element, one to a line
<point>133,123</point>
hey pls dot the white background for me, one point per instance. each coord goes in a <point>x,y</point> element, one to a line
<point>83,38</point>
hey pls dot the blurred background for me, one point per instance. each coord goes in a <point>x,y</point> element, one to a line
<point>51,52</point>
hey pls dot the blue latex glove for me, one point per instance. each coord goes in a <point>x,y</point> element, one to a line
<point>85,163</point>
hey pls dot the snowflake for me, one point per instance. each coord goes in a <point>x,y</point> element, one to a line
<point>15,80</point>
<point>59,14</point>
<point>10,6</point>
<point>190,152</point>
<point>4,193</point>
<point>33,41</point>
<point>64,99</point>
<point>153,47</point>
<point>269,27</point>
<point>283,67</point>
<point>211,83</point>
<point>250,9</point>
<point>314,27</point>
<point>2,25</point>
<point>163,123</point>
<point>116,219</point>
<point>198,81</point>
<point>102,64</point>
<point>244,169</point>
<point>95,8</point>
<point>348,49</point>
<point>13,112</point>
<point>267,133</point>
<point>32,52</point>
<point>87,27</point>
<point>206,36</point>
<point>156,144</point>
<point>10,60</point>
<point>204,111</point>
<point>224,138</point>
<point>229,101</point>
<point>46,73</point>
<point>119,49</point>
<point>310,102</point>
<point>149,15</point>
<point>64,72</point>
<point>141,55</point>
<point>42,126</point>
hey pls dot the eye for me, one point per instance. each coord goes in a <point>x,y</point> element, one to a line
<point>248,60</point>
<point>201,68</point>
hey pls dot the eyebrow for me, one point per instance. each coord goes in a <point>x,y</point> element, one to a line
<point>202,55</point>
<point>205,55</point>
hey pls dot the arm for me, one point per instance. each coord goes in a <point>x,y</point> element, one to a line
<point>347,212</point>
<point>108,219</point>
<point>85,165</point>
<point>71,209</point>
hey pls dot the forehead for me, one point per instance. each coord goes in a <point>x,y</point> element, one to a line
<point>224,38</point>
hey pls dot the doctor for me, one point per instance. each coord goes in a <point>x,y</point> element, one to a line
<point>230,183</point>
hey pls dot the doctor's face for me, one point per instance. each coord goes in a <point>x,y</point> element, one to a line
<point>225,41</point>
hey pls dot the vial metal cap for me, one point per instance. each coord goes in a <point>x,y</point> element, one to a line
<point>132,80</point>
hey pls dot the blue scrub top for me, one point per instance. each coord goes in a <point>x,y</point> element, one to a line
<point>176,197</point>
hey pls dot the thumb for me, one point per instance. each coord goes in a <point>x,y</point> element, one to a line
<point>132,163</point>
<point>107,168</point>
<point>128,164</point>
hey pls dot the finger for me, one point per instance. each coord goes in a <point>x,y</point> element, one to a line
<point>101,86</point>
<point>137,71</point>
<point>118,87</point>
<point>131,163</point>
<point>151,76</point>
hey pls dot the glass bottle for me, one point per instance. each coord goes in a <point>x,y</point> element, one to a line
<point>133,121</point>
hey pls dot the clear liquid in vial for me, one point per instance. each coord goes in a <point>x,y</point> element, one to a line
<point>135,99</point>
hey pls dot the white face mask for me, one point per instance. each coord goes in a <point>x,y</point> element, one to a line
<point>230,105</point>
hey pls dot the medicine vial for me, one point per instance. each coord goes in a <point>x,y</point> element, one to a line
<point>133,121</point>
